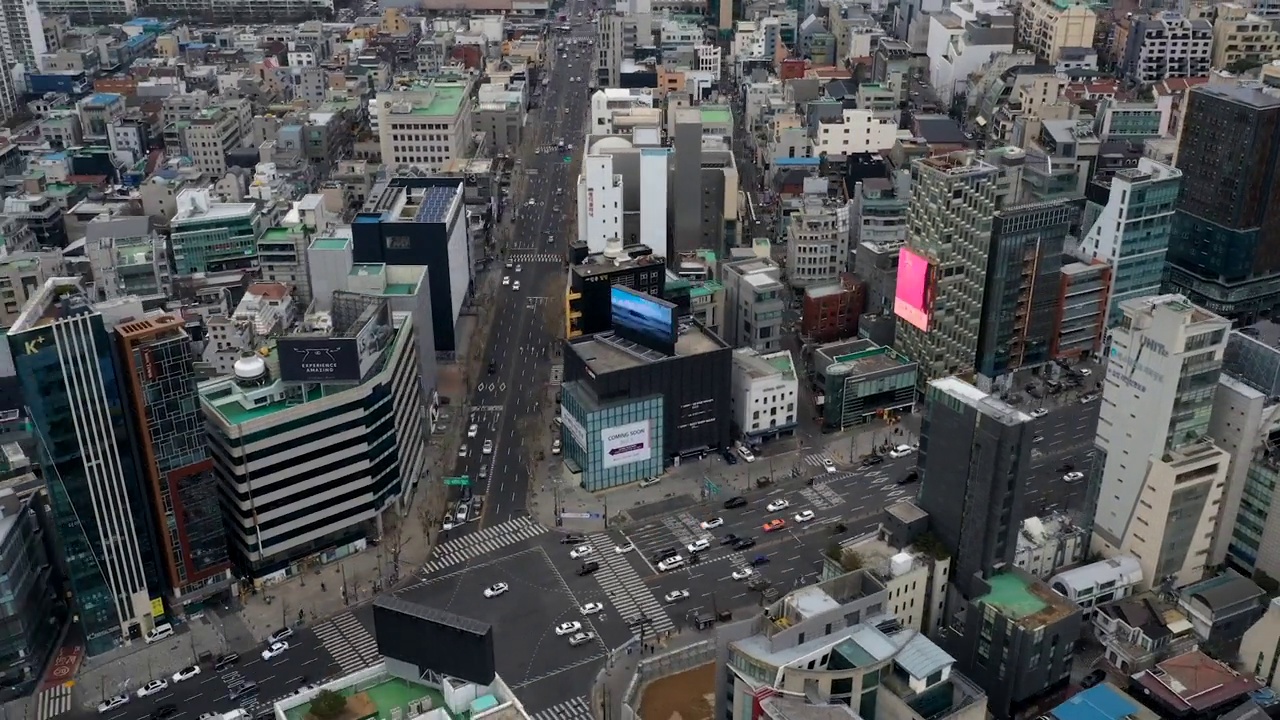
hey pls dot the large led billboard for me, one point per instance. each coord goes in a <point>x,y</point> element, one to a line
<point>913,298</point>
<point>644,319</point>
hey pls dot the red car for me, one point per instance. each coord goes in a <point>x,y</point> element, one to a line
<point>775,524</point>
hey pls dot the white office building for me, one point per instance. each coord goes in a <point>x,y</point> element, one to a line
<point>854,132</point>
<point>1162,476</point>
<point>599,202</point>
<point>316,438</point>
<point>21,35</point>
<point>762,396</point>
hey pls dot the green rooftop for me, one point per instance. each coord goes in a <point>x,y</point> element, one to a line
<point>236,414</point>
<point>277,234</point>
<point>330,243</point>
<point>855,357</point>
<point>390,694</point>
<point>367,269</point>
<point>447,101</point>
<point>398,289</point>
<point>716,114</point>
<point>707,287</point>
<point>782,363</point>
<point>1011,595</point>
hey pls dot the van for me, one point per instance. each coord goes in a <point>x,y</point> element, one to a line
<point>159,632</point>
<point>670,563</point>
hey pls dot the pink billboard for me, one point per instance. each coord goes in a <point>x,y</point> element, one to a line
<point>911,301</point>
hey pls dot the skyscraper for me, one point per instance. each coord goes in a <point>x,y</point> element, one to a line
<point>1224,254</point>
<point>943,270</point>
<point>1159,473</point>
<point>62,352</point>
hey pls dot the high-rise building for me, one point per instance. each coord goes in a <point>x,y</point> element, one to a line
<point>1024,268</point>
<point>1131,231</point>
<point>1160,475</point>
<point>21,34</point>
<point>62,351</point>
<point>753,304</point>
<point>943,270</point>
<point>1225,250</point>
<point>157,368</point>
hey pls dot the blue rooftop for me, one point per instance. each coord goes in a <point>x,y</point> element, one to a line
<point>1100,702</point>
<point>367,218</point>
<point>797,161</point>
<point>142,21</point>
<point>436,202</point>
<point>103,98</point>
<point>138,40</point>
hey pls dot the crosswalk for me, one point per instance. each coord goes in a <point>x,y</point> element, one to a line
<point>627,592</point>
<point>815,459</point>
<point>822,496</point>
<point>557,374</point>
<point>572,709</point>
<point>536,258</point>
<point>350,644</point>
<point>52,702</point>
<point>491,539</point>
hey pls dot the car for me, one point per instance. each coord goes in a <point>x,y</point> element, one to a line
<point>712,523</point>
<point>568,628</point>
<point>774,524</point>
<point>777,505</point>
<point>519,267</point>
<point>591,608</point>
<point>225,661</point>
<point>573,539</point>
<point>283,633</point>
<point>506,279</point>
<point>462,451</point>
<point>1066,467</point>
<point>743,573</point>
<point>515,285</point>
<point>1038,413</point>
<point>746,454</point>
<point>555,447</point>
<point>675,596</point>
<point>1074,476</point>
<point>1085,372</point>
<point>1087,398</point>
<point>670,563</point>
<point>624,548</point>
<point>581,638</point>
<point>580,552</point>
<point>699,545</point>
<point>496,589</point>
<point>493,367</point>
<point>210,716</point>
<point>473,430</point>
<point>1093,678</point>
<point>588,568</point>
<point>276,649</point>
<point>735,502</point>
<point>153,687</point>
<point>729,539</point>
<point>744,543</point>
<point>729,457</point>
<point>870,460</point>
<point>186,673</point>
<point>900,452</point>
<point>248,689</point>
<point>829,464</point>
<point>804,516</point>
<point>164,712</point>
<point>910,477</point>
<point>650,481</point>
<point>487,448</point>
<point>112,703</point>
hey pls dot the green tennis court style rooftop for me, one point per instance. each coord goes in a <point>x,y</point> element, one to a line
<point>386,695</point>
<point>1025,600</point>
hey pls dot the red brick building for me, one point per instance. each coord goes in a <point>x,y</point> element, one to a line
<point>831,311</point>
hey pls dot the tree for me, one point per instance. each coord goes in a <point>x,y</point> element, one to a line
<point>328,705</point>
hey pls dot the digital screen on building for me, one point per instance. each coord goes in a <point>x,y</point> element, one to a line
<point>434,640</point>
<point>643,319</point>
<point>912,299</point>
<point>319,359</point>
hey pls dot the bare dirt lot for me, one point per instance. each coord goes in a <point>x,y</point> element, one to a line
<point>689,695</point>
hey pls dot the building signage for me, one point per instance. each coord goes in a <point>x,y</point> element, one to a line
<point>319,359</point>
<point>625,444</point>
<point>575,428</point>
<point>591,203</point>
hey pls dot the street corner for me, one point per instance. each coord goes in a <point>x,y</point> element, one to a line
<point>66,663</point>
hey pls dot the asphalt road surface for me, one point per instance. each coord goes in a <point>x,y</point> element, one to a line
<point>521,344</point>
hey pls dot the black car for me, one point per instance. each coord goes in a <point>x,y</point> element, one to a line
<point>735,502</point>
<point>164,711</point>
<point>729,539</point>
<point>910,477</point>
<point>225,661</point>
<point>493,367</point>
<point>870,460</point>
<point>729,457</point>
<point>1093,678</point>
<point>588,567</point>
<point>573,539</point>
<point>664,554</point>
<point>1066,467</point>
<point>248,689</point>
<point>744,543</point>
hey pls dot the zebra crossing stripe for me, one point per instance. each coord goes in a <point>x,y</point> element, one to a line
<point>53,702</point>
<point>331,638</point>
<point>491,539</point>
<point>535,258</point>
<point>627,592</point>
<point>571,709</point>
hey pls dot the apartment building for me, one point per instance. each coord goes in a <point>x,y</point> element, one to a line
<point>1049,26</point>
<point>214,131</point>
<point>90,11</point>
<point>1242,36</point>
<point>1165,45</point>
<point>22,40</point>
<point>753,304</point>
<point>428,127</point>
<point>818,238</point>
<point>854,132</point>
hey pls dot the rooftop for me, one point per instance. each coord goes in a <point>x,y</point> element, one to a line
<point>447,100</point>
<point>983,402</point>
<point>1194,683</point>
<point>1101,702</point>
<point>606,352</point>
<point>1025,600</point>
<point>717,114</point>
<point>869,360</point>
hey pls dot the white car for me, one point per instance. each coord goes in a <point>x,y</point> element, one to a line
<point>1039,413</point>
<point>515,285</point>
<point>473,430</point>
<point>1086,372</point>
<point>212,716</point>
<point>829,464</point>
<point>670,563</point>
<point>777,505</point>
<point>506,279</point>
<point>699,545</point>
<point>462,451</point>
<point>591,608</point>
<point>581,638</point>
<point>555,447</point>
<point>712,523</point>
<point>186,673</point>
<point>112,703</point>
<point>746,454</point>
<point>277,649</point>
<point>900,452</point>
<point>581,551</point>
<point>624,548</point>
<point>496,589</point>
<point>153,687</point>
<point>568,628</point>
<point>1073,476</point>
<point>675,596</point>
<point>518,267</point>
<point>804,517</point>
<point>487,448</point>
<point>650,481</point>
<point>743,573</point>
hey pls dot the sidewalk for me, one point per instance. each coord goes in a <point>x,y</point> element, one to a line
<point>610,688</point>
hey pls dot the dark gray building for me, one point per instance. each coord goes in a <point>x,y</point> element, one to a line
<point>1019,307</point>
<point>1015,639</point>
<point>1223,608</point>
